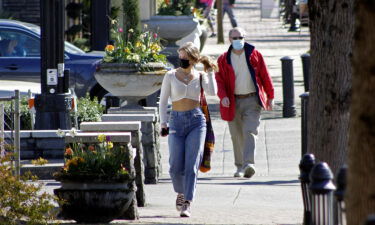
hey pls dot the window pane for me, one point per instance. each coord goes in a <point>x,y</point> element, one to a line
<point>18,44</point>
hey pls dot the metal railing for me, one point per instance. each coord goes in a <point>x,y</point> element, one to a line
<point>14,127</point>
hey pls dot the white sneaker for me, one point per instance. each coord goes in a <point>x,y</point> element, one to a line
<point>185,211</point>
<point>249,171</point>
<point>180,201</point>
<point>239,172</point>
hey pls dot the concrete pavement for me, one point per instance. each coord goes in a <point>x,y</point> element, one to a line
<point>273,195</point>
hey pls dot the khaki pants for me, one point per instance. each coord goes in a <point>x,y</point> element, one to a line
<point>244,130</point>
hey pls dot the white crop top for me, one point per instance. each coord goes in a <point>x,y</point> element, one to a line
<point>177,90</point>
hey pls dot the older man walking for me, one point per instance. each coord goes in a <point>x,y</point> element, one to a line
<point>244,88</point>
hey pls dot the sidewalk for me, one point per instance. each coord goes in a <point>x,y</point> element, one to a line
<point>273,195</point>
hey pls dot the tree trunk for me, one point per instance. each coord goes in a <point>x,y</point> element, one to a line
<point>360,195</point>
<point>332,29</point>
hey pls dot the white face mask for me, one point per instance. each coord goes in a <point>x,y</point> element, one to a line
<point>238,44</point>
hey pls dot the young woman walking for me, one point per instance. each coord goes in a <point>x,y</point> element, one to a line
<point>187,124</point>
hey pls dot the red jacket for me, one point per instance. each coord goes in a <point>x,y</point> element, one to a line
<point>225,79</point>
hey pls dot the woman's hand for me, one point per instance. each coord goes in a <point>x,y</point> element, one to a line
<point>164,130</point>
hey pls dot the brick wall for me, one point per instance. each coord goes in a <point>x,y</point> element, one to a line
<point>23,10</point>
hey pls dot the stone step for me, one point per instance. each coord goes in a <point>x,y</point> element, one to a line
<point>111,126</point>
<point>92,137</point>
<point>129,117</point>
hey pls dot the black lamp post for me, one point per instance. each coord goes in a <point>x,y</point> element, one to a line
<point>53,104</point>
<point>100,10</point>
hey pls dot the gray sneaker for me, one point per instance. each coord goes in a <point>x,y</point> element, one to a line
<point>185,211</point>
<point>180,201</point>
<point>249,171</point>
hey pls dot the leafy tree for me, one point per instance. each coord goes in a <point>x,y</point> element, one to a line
<point>131,17</point>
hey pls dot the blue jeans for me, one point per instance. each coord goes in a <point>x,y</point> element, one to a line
<point>187,133</point>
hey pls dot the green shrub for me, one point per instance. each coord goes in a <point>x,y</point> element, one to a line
<point>21,200</point>
<point>89,110</point>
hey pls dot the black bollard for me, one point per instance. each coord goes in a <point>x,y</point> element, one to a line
<point>340,193</point>
<point>370,220</point>
<point>305,166</point>
<point>289,109</point>
<point>305,58</point>
<point>321,188</point>
<point>304,104</point>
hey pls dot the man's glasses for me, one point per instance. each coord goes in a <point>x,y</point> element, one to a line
<point>237,38</point>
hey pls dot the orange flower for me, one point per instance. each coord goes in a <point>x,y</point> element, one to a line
<point>80,160</point>
<point>166,2</point>
<point>68,151</point>
<point>109,48</point>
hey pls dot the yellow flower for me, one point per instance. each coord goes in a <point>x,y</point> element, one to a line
<point>109,145</point>
<point>138,44</point>
<point>155,48</point>
<point>127,50</point>
<point>131,30</point>
<point>109,48</point>
<point>80,160</point>
<point>71,162</point>
<point>101,137</point>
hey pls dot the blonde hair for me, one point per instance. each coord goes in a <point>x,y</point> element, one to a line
<point>193,53</point>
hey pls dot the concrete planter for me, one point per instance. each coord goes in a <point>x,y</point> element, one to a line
<point>127,82</point>
<point>172,28</point>
<point>94,202</point>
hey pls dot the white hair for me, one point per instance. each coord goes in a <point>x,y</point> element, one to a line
<point>238,29</point>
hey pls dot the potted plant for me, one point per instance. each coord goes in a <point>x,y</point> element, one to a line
<point>96,185</point>
<point>133,67</point>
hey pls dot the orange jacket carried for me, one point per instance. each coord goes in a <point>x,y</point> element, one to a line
<point>225,79</point>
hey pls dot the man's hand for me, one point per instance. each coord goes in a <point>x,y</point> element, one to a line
<point>269,105</point>
<point>225,102</point>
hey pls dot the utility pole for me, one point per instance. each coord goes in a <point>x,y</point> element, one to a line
<point>100,10</point>
<point>54,103</point>
<point>219,18</point>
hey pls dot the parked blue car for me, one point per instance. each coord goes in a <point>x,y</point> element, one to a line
<point>20,58</point>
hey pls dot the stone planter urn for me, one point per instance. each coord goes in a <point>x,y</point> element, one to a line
<point>172,28</point>
<point>94,202</point>
<point>130,82</point>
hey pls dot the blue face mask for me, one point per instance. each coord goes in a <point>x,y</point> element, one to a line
<point>238,44</point>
